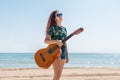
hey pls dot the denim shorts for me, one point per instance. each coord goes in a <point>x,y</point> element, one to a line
<point>63,50</point>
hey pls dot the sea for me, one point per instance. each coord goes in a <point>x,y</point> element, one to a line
<point>76,60</point>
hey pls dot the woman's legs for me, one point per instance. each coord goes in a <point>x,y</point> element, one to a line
<point>58,65</point>
<point>62,64</point>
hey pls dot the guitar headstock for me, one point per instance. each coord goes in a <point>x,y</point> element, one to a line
<point>78,31</point>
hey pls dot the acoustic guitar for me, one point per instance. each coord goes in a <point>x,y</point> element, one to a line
<point>45,57</point>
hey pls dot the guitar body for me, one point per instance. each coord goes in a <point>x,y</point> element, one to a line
<point>45,57</point>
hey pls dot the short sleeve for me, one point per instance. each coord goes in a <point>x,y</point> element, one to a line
<point>66,31</point>
<point>50,31</point>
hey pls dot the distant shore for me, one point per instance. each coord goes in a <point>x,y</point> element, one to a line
<point>68,74</point>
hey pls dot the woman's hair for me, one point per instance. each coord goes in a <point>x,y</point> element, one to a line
<point>51,20</point>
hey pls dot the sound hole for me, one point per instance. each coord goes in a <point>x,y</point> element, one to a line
<point>50,51</point>
<point>42,57</point>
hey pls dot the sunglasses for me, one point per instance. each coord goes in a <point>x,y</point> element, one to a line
<point>59,14</point>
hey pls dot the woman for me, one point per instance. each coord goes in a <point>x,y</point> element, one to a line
<point>54,33</point>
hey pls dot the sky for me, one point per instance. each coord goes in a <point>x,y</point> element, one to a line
<point>23,24</point>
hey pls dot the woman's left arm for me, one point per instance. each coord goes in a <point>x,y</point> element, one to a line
<point>67,58</point>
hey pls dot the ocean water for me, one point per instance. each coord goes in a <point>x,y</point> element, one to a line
<point>80,60</point>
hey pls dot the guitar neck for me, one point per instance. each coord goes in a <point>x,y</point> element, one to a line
<point>68,37</point>
<point>65,39</point>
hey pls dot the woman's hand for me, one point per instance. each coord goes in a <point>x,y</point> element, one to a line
<point>59,44</point>
<point>67,60</point>
<point>67,57</point>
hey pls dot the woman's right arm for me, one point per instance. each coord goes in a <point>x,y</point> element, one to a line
<point>49,41</point>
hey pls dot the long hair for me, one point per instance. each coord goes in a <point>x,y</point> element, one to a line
<point>51,20</point>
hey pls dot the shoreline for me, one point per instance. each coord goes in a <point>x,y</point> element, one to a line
<point>67,74</point>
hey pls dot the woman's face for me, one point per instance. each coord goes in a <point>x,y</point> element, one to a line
<point>58,17</point>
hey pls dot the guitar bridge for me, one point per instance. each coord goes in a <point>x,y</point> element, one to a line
<point>42,57</point>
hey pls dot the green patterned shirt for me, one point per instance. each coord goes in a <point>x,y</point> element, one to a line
<point>57,33</point>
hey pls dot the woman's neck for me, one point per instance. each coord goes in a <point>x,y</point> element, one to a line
<point>59,24</point>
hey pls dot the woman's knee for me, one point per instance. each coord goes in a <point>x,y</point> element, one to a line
<point>58,74</point>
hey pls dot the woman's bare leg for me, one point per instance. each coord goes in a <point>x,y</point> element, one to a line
<point>62,64</point>
<point>58,66</point>
<point>57,69</point>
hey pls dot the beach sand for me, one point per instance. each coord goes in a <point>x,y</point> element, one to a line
<point>68,74</point>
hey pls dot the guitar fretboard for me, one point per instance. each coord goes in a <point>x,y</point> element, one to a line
<point>68,37</point>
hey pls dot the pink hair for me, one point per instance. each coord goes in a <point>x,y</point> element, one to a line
<point>51,20</point>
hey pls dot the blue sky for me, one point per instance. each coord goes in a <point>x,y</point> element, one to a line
<point>23,24</point>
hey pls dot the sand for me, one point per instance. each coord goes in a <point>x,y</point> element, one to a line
<point>68,74</point>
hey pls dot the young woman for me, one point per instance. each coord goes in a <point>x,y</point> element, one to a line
<point>55,32</point>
